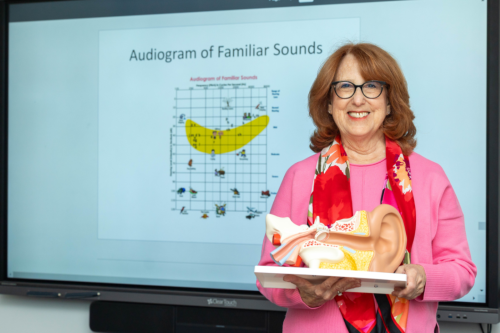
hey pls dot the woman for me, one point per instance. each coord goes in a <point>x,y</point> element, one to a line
<point>365,137</point>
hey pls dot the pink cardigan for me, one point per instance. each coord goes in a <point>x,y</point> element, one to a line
<point>440,245</point>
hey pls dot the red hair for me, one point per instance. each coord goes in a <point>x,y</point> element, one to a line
<point>374,64</point>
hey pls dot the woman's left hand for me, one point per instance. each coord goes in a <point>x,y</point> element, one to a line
<point>415,282</point>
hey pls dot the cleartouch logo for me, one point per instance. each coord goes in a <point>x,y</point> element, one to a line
<point>222,302</point>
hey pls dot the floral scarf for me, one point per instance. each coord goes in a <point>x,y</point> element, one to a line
<point>331,201</point>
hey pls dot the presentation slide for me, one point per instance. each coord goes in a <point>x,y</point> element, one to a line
<point>148,149</point>
<point>195,124</point>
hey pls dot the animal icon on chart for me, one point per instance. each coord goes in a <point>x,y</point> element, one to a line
<point>193,192</point>
<point>181,190</point>
<point>266,193</point>
<point>220,172</point>
<point>204,216</point>
<point>190,163</point>
<point>250,216</point>
<point>235,191</point>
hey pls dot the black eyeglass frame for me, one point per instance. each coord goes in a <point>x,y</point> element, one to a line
<point>360,86</point>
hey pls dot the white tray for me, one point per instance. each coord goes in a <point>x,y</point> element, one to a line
<point>371,282</point>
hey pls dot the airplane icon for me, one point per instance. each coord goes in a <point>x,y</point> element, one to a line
<point>253,210</point>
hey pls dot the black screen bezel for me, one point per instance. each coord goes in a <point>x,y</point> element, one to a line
<point>492,165</point>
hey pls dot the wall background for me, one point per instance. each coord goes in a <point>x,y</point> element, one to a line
<point>26,315</point>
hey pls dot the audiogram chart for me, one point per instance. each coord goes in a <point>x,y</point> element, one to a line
<point>219,150</point>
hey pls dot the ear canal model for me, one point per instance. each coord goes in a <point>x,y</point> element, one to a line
<point>369,241</point>
<point>282,226</point>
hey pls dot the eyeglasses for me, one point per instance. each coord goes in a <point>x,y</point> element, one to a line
<point>370,89</point>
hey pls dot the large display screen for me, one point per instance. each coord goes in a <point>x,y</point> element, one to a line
<point>147,149</point>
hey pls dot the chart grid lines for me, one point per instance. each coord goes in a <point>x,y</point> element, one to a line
<point>235,176</point>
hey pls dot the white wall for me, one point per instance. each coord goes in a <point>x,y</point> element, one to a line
<point>27,315</point>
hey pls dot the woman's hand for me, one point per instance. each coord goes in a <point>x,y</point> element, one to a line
<point>315,295</point>
<point>415,282</point>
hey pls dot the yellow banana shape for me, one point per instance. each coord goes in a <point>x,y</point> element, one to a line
<point>214,141</point>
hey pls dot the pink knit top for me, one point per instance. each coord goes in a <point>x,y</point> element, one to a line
<point>440,244</point>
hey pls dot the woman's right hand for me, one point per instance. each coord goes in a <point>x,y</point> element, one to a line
<point>315,295</point>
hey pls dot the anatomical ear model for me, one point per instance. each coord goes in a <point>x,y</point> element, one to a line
<point>369,241</point>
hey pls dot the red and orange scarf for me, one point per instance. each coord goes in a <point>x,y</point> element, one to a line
<point>331,201</point>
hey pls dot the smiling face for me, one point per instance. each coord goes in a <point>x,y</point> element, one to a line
<point>358,117</point>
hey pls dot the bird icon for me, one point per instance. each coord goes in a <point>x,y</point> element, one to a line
<point>235,191</point>
<point>204,216</point>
